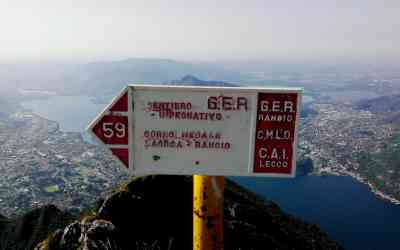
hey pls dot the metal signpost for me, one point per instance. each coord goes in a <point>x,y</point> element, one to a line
<point>208,132</point>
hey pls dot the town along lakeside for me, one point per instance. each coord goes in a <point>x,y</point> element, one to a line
<point>331,146</point>
<point>342,140</point>
<point>343,207</point>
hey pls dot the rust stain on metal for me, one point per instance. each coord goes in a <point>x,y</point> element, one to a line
<point>208,213</point>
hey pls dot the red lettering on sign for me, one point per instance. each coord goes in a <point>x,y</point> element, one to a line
<point>112,129</point>
<point>275,129</point>
<point>190,115</point>
<point>227,103</point>
<point>168,106</point>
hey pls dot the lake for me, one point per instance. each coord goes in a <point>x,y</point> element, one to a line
<point>345,209</point>
<point>73,113</point>
<point>341,206</point>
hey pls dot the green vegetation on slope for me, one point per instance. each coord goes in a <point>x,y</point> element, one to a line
<point>382,169</point>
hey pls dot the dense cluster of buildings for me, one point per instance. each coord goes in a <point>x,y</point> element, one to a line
<point>40,164</point>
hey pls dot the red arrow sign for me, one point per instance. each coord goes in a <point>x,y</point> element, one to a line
<point>249,131</point>
<point>112,128</point>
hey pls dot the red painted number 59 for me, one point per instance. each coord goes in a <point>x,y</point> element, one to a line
<point>110,129</point>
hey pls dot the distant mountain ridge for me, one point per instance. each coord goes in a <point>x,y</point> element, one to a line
<point>104,77</point>
<point>382,104</point>
<point>192,80</point>
<point>387,106</point>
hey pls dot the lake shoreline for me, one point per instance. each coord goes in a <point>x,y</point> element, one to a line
<point>359,178</point>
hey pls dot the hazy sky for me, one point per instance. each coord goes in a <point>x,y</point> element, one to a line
<point>198,30</point>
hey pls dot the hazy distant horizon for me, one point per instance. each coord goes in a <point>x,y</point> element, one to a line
<point>204,31</point>
<point>323,62</point>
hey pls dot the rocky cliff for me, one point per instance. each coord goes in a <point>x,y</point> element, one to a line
<point>27,231</point>
<point>155,212</point>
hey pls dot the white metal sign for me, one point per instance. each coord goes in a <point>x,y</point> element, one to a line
<point>155,129</point>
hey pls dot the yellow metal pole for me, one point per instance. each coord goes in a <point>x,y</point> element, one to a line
<point>208,212</point>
